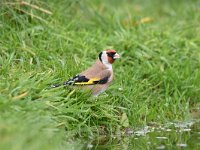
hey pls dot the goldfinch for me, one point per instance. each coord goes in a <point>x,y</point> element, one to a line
<point>98,77</point>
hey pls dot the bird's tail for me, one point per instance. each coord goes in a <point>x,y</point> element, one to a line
<point>55,86</point>
<point>66,83</point>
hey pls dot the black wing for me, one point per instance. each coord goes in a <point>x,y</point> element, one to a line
<point>82,80</point>
<point>76,79</point>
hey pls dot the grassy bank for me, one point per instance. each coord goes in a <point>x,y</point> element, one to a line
<point>45,42</point>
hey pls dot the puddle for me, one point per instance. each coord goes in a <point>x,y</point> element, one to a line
<point>173,135</point>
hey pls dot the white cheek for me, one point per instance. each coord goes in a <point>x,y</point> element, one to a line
<point>105,58</point>
<point>105,61</point>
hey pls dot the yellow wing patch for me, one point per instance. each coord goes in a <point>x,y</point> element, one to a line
<point>91,81</point>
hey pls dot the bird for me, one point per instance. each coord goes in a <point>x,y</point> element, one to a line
<point>96,78</point>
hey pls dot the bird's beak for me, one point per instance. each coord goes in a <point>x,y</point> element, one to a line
<point>116,56</point>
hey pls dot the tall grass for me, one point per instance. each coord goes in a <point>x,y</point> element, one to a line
<point>156,80</point>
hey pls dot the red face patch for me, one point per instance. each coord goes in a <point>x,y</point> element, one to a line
<point>110,60</point>
<point>110,51</point>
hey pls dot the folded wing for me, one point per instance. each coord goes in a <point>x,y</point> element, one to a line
<point>83,80</point>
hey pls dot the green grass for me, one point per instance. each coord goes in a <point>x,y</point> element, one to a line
<point>158,73</point>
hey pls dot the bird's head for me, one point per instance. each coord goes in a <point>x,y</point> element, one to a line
<point>108,56</point>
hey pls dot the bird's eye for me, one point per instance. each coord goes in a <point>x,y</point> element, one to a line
<point>111,54</point>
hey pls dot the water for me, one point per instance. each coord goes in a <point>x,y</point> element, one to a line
<point>173,135</point>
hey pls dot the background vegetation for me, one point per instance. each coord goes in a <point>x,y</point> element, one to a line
<point>47,41</point>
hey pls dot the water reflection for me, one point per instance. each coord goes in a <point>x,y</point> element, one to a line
<point>176,135</point>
